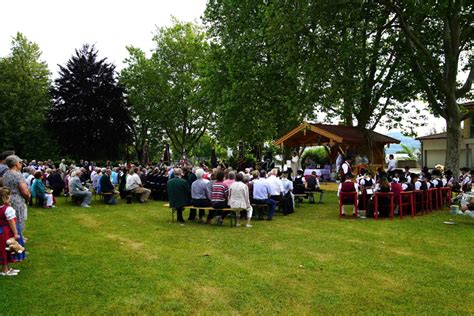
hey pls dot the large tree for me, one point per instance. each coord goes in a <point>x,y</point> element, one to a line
<point>25,100</point>
<point>143,84</point>
<point>255,91</point>
<point>168,91</point>
<point>281,61</point>
<point>439,37</point>
<point>89,118</point>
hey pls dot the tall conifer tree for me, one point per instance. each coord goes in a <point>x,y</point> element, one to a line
<point>89,117</point>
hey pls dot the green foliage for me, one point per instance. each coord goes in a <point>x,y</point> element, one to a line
<point>143,87</point>
<point>24,101</point>
<point>90,118</point>
<point>254,92</point>
<point>204,147</point>
<point>438,43</point>
<point>130,259</point>
<point>410,151</point>
<point>284,62</point>
<point>319,155</point>
<point>168,91</point>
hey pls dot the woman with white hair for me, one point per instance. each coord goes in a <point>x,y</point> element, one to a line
<point>239,198</point>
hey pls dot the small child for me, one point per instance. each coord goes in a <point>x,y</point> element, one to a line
<point>7,230</point>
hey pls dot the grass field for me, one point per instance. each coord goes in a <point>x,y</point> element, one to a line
<point>130,259</point>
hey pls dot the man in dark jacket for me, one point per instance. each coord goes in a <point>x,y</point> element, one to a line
<point>107,188</point>
<point>179,194</point>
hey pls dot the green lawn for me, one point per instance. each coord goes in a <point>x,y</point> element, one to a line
<point>130,259</point>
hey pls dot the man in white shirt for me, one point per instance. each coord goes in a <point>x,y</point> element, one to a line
<point>392,165</point>
<point>276,186</point>
<point>135,185</point>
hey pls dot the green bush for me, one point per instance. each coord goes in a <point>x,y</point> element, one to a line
<point>319,155</point>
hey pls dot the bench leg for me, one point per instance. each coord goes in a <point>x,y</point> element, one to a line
<point>233,221</point>
<point>321,197</point>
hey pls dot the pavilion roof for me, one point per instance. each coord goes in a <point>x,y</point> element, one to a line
<point>312,134</point>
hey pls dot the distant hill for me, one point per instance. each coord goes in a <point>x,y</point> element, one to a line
<point>408,141</point>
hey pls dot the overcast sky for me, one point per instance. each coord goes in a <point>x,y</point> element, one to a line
<point>61,26</point>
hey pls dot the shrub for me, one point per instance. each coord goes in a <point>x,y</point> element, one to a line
<point>319,155</point>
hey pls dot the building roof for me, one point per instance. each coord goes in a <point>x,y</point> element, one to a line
<point>315,134</point>
<point>433,136</point>
<point>468,105</point>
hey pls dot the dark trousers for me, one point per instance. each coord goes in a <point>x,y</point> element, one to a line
<point>179,214</point>
<point>286,204</point>
<point>198,203</point>
<point>271,206</point>
<point>110,199</point>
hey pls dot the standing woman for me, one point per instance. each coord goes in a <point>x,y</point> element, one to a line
<point>20,194</point>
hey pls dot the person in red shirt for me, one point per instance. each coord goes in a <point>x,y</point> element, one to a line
<point>347,185</point>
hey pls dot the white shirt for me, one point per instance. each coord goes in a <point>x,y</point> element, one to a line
<point>29,181</point>
<point>338,162</point>
<point>133,182</point>
<point>345,167</point>
<point>10,213</point>
<point>392,165</point>
<point>466,180</point>
<point>417,185</point>
<point>276,186</point>
<point>287,185</point>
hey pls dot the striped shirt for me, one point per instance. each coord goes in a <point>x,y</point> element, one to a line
<point>219,192</point>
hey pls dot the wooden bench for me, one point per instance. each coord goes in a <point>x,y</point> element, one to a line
<point>298,197</point>
<point>259,210</point>
<point>74,198</point>
<point>307,194</point>
<point>129,195</point>
<point>232,211</point>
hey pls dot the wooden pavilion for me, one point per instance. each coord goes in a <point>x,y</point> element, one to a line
<point>339,139</point>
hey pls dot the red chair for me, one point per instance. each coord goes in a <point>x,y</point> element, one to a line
<point>348,195</point>
<point>445,196</point>
<point>406,199</point>
<point>433,199</point>
<point>423,197</point>
<point>378,195</point>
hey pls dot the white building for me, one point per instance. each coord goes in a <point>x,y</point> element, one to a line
<point>433,147</point>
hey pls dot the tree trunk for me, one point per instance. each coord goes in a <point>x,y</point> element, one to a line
<point>453,129</point>
<point>347,114</point>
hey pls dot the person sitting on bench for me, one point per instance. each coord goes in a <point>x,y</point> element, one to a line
<point>239,198</point>
<point>179,193</point>
<point>134,184</point>
<point>77,189</point>
<point>219,196</point>
<point>107,189</point>
<point>299,182</point>
<point>200,195</point>
<point>262,192</point>
<point>313,186</point>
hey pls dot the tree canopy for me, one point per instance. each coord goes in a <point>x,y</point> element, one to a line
<point>439,39</point>
<point>24,100</point>
<point>89,118</point>
<point>168,90</point>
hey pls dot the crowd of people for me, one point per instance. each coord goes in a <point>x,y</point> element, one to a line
<point>397,181</point>
<point>214,189</point>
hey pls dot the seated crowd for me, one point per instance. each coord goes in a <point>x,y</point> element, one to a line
<point>223,188</point>
<point>397,181</point>
<point>219,188</point>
